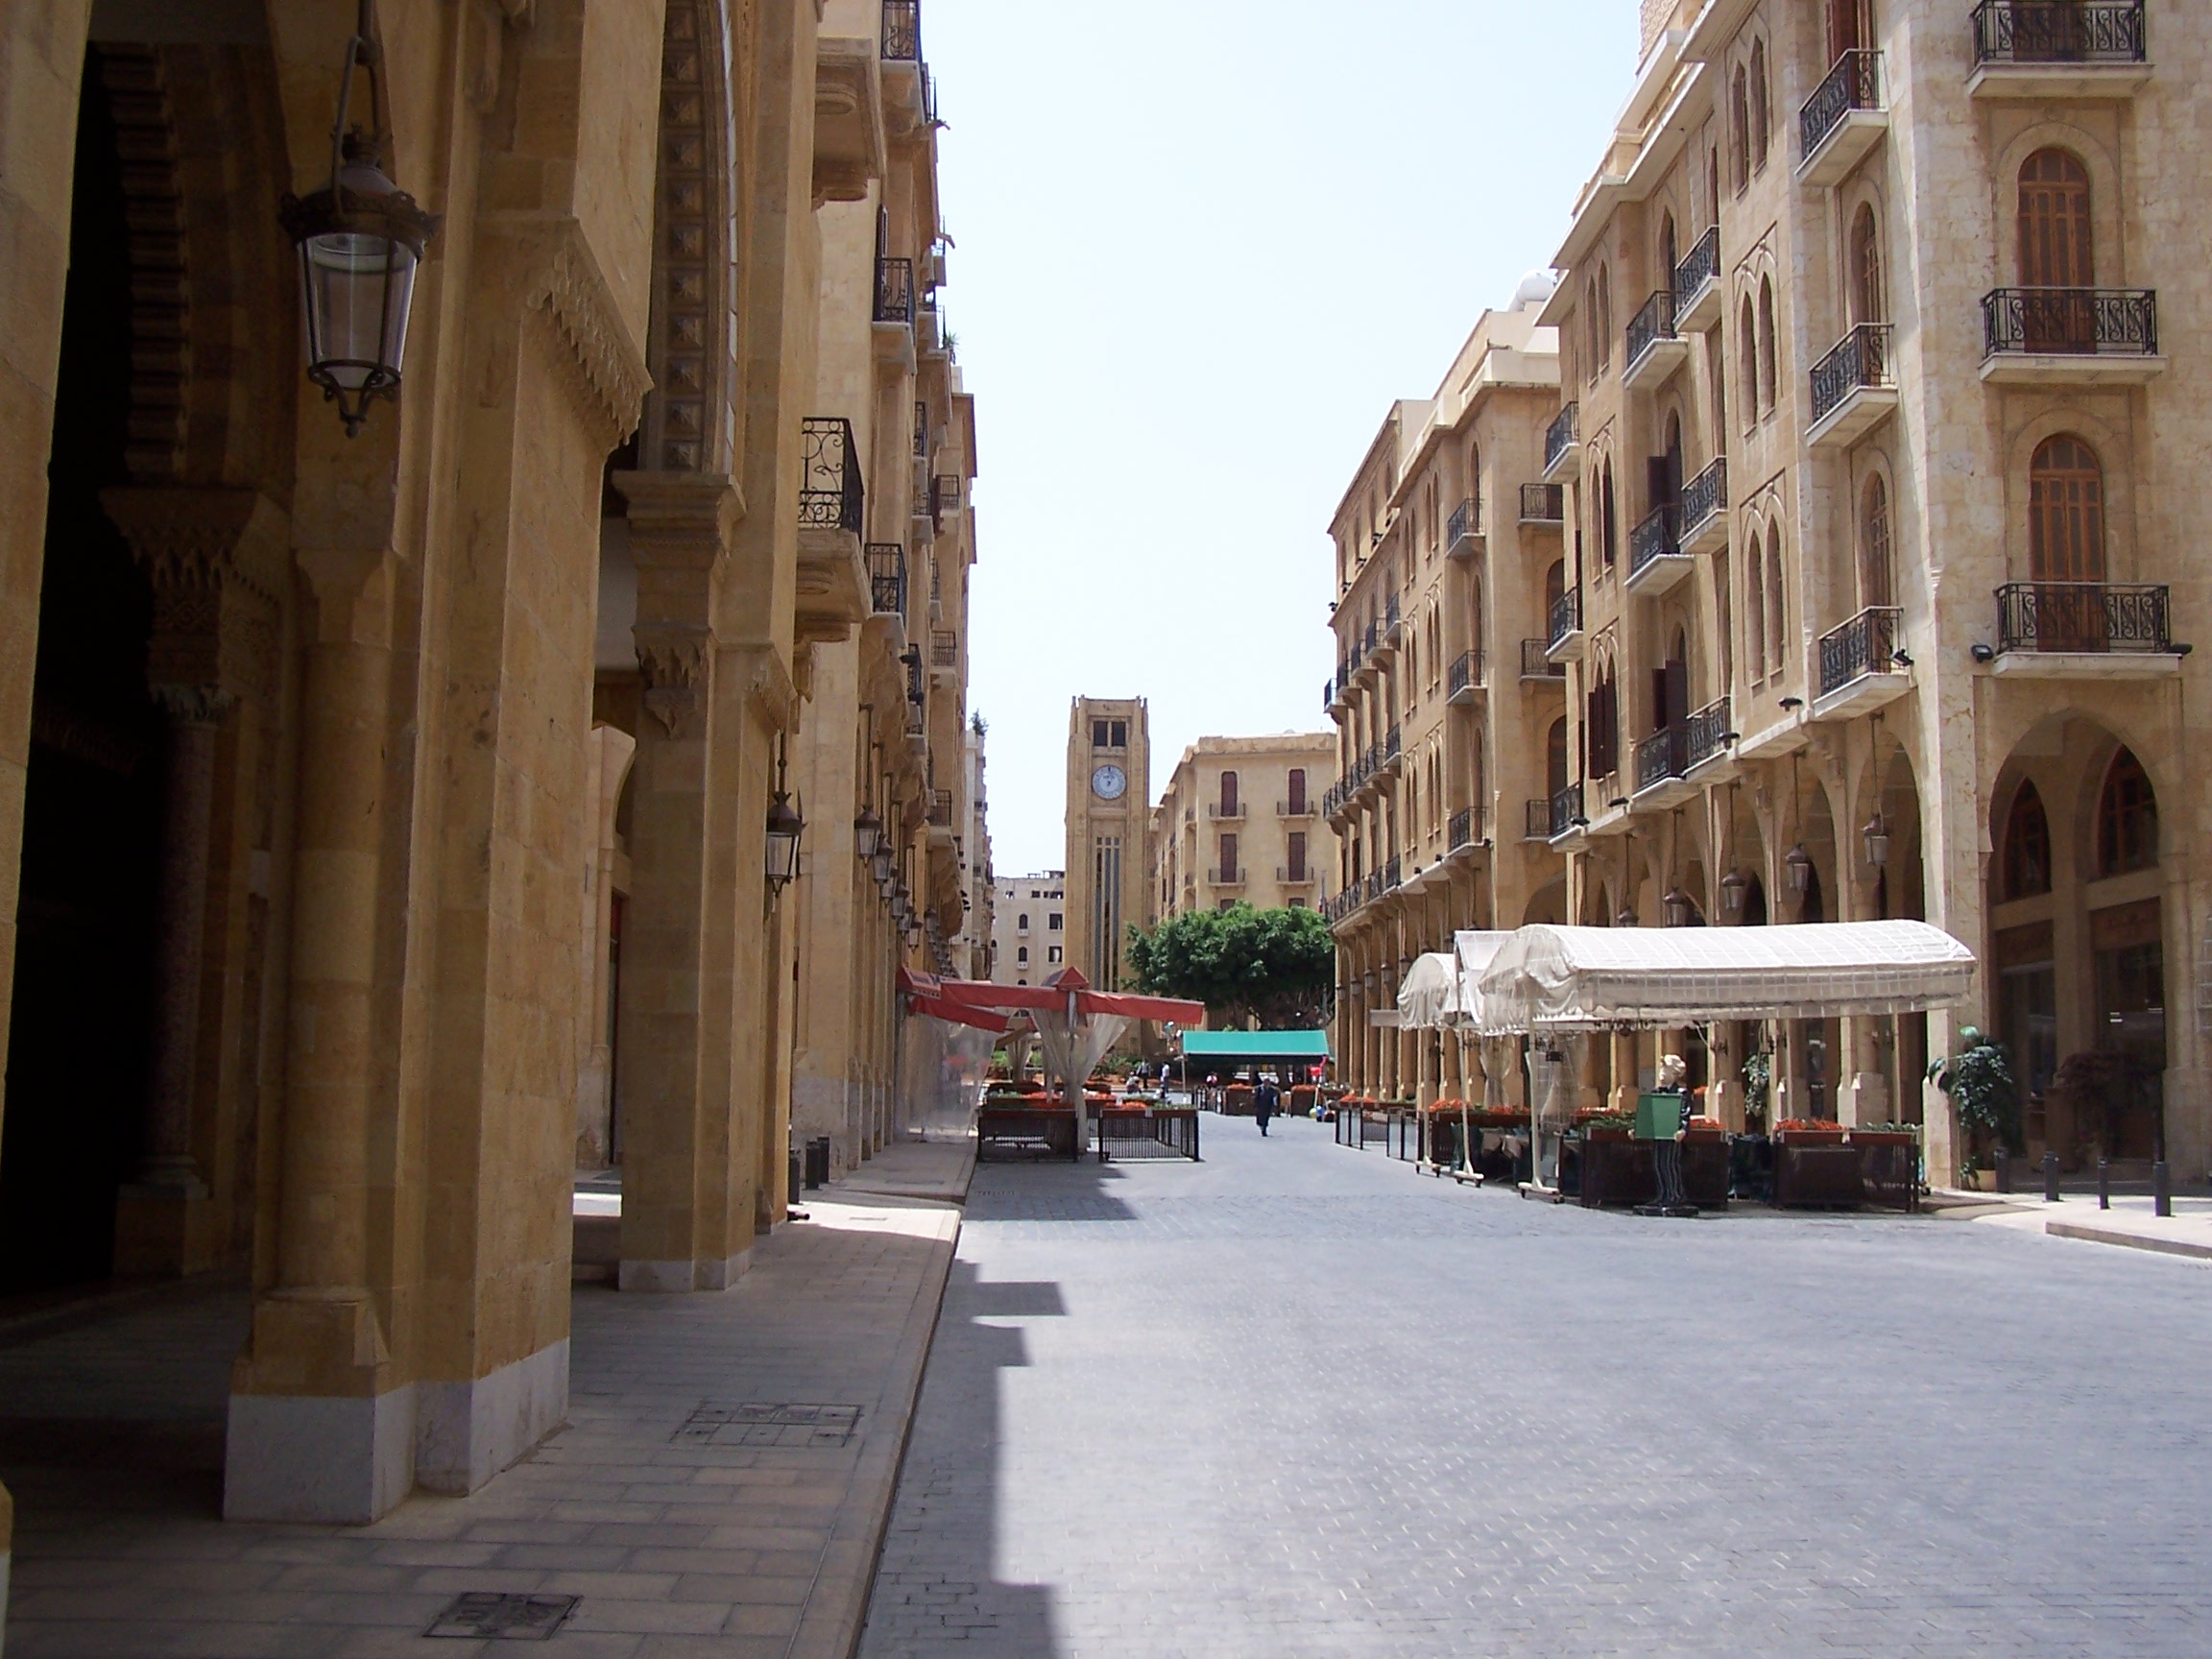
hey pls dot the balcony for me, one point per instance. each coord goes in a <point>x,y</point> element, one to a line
<point>1565,642</point>
<point>1225,877</point>
<point>1705,509</point>
<point>1656,562</point>
<point>1536,663</point>
<point>1536,820</point>
<point>1544,505</point>
<point>1655,351</point>
<point>2060,49</point>
<point>1365,669</point>
<point>1300,808</point>
<point>2070,337</point>
<point>920,430</point>
<point>895,291</point>
<point>940,809</point>
<point>1709,736</point>
<point>1225,811</point>
<point>1663,768</point>
<point>1464,679</point>
<point>1843,121</point>
<point>834,592</point>
<point>1853,389</point>
<point>1568,818</point>
<point>1862,664</point>
<point>1393,628</point>
<point>1328,702</point>
<point>1392,756</point>
<point>902,31</point>
<point>1295,875</point>
<point>1698,298</point>
<point>944,650</point>
<point>2090,630</point>
<point>1462,833</point>
<point>1463,534</point>
<point>943,497</point>
<point>1562,447</point>
<point>887,578</point>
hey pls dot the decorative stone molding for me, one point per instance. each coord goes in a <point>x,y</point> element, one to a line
<point>564,289</point>
<point>673,664</point>
<point>771,691</point>
<point>161,290</point>
<point>687,423</point>
<point>214,558</point>
<point>848,136</point>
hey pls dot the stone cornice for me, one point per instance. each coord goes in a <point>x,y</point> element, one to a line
<point>562,283</point>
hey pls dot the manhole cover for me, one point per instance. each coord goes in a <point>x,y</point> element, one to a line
<point>757,1423</point>
<point>480,1614</point>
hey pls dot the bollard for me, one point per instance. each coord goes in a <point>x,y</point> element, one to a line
<point>818,1162</point>
<point>2161,1189</point>
<point>2004,1169</point>
<point>2050,1177</point>
<point>2104,1183</point>
<point>798,1179</point>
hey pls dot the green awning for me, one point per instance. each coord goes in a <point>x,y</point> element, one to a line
<point>1251,1047</point>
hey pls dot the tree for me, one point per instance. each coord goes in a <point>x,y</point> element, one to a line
<point>1276,966</point>
<point>1979,1080</point>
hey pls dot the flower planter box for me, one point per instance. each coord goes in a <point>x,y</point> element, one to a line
<point>1617,1169</point>
<point>1889,1168</point>
<point>1034,1130</point>
<point>1818,1172</point>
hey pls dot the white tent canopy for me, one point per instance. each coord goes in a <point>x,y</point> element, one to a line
<point>1475,953</point>
<point>1441,990</point>
<point>1553,978</point>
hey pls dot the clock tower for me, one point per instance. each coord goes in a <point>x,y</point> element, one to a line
<point>1109,816</point>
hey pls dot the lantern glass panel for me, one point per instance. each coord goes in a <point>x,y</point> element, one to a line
<point>359,289</point>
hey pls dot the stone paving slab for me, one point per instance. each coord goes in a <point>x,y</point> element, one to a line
<point>680,1539</point>
<point>1297,1401</point>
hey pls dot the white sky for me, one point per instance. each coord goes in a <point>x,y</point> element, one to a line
<point>1201,247</point>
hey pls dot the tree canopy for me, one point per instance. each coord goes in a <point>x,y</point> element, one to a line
<point>1276,966</point>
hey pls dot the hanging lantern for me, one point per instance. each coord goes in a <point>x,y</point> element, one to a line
<point>1798,867</point>
<point>879,865</point>
<point>785,828</point>
<point>1626,918</point>
<point>867,835</point>
<point>360,240</point>
<point>1732,888</point>
<point>1877,837</point>
<point>1677,908</point>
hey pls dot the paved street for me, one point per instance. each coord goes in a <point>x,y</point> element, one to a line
<point>1300,1401</point>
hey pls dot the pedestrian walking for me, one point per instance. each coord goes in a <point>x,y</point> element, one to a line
<point>1264,1101</point>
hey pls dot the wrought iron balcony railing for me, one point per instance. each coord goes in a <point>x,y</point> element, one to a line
<point>1301,807</point>
<point>887,578</point>
<point>1536,820</point>
<point>1654,323</point>
<point>1225,811</point>
<point>1866,644</point>
<point>2060,32</point>
<point>941,808</point>
<point>1464,674</point>
<point>1222,876</point>
<point>1462,833</point>
<point>1662,756</point>
<point>895,291</point>
<point>2087,616</point>
<point>1536,662</point>
<point>1699,266</point>
<point>1854,83</point>
<point>943,649</point>
<point>1466,523</point>
<point>1560,436</point>
<point>832,495</point>
<point>1543,503</point>
<point>920,430</point>
<point>1705,494</point>
<point>1566,811</point>
<point>902,31</point>
<point>1565,618</point>
<point>1658,536</point>
<point>1391,616</point>
<point>1294,875</point>
<point>2071,322</point>
<point>1860,361</point>
<point>1390,747</point>
<point>1709,734</point>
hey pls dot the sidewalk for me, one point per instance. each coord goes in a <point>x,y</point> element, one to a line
<point>721,1489</point>
<point>2129,1224</point>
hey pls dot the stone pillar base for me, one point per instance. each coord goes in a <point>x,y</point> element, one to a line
<point>165,1232</point>
<point>312,1458</point>
<point>681,1278</point>
<point>467,1433</point>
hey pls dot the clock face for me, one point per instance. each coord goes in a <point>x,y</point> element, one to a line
<point>1109,782</point>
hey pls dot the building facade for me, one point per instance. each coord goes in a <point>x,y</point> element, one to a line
<point>1451,551</point>
<point>350,897</point>
<point>1240,821</point>
<point>1108,869</point>
<point>1879,331</point>
<point>1029,932</point>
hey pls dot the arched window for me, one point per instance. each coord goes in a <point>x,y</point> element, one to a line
<point>1556,758</point>
<point>1228,794</point>
<point>1739,129</point>
<point>1604,316</point>
<point>1554,587</point>
<point>1755,610</point>
<point>2065,511</point>
<point>2027,846</point>
<point>1762,111</point>
<point>1593,333</point>
<point>1777,611</point>
<point>1712,185</point>
<point>1876,584</point>
<point>2057,246</point>
<point>1670,250</point>
<point>1608,535</point>
<point>1747,357</point>
<point>1866,297</point>
<point>2127,818</point>
<point>1768,358</point>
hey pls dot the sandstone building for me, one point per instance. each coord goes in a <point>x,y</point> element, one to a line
<point>555,770</point>
<point>1029,929</point>
<point>1240,821</point>
<point>1450,714</point>
<point>1108,817</point>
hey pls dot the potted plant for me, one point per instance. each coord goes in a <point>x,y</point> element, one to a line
<point>1758,1085</point>
<point>1979,1082</point>
<point>1819,1131</point>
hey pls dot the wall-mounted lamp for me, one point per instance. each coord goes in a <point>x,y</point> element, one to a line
<point>867,833</point>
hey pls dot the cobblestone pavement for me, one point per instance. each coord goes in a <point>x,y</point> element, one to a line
<point>686,1524</point>
<point>1301,1401</point>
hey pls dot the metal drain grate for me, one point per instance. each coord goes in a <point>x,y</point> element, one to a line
<point>759,1423</point>
<point>479,1615</point>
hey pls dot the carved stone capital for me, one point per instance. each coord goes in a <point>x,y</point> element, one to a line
<point>769,689</point>
<point>674,663</point>
<point>215,560</point>
<point>563,286</point>
<point>680,520</point>
<point>194,704</point>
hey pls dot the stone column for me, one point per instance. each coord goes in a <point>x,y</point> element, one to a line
<point>611,754</point>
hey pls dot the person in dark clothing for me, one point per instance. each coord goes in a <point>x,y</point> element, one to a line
<point>1265,1103</point>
